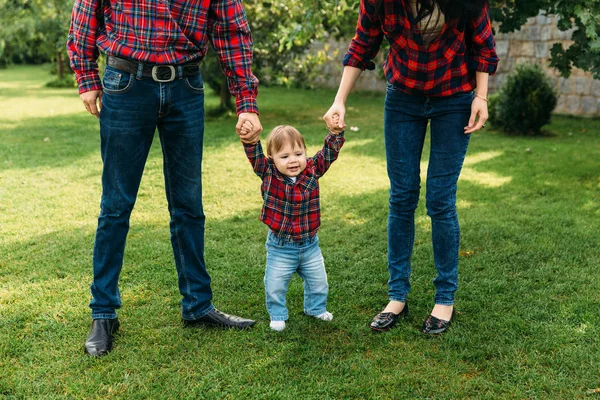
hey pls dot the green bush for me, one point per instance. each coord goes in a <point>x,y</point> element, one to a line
<point>68,81</point>
<point>525,101</point>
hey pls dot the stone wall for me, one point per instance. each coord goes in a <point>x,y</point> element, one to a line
<point>579,94</point>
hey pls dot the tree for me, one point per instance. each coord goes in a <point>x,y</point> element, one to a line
<point>283,31</point>
<point>34,31</point>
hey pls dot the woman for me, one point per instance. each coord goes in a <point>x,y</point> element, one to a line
<point>441,55</point>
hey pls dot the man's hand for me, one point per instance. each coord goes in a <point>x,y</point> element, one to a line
<point>251,133</point>
<point>89,101</point>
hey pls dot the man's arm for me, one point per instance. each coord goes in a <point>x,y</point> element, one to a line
<point>231,38</point>
<point>83,53</point>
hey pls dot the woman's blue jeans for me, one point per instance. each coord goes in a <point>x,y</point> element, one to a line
<point>283,259</point>
<point>133,108</point>
<point>406,118</point>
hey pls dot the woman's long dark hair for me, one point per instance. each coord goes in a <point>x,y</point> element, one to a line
<point>453,10</point>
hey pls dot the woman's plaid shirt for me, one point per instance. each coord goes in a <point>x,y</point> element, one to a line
<point>164,32</point>
<point>445,67</point>
<point>292,210</point>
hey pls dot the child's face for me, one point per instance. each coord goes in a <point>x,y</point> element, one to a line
<point>290,160</point>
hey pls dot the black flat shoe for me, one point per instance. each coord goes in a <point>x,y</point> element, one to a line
<point>436,326</point>
<point>384,321</point>
<point>100,340</point>
<point>221,320</point>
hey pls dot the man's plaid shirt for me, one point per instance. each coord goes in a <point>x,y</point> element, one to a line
<point>164,32</point>
<point>292,210</point>
<point>445,67</point>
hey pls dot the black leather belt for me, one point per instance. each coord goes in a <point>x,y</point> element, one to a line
<point>160,73</point>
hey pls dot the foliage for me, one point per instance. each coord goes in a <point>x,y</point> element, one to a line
<point>525,101</point>
<point>67,81</point>
<point>283,31</point>
<point>583,16</point>
<point>34,31</point>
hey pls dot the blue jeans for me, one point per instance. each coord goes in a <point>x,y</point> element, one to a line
<point>406,117</point>
<point>133,108</point>
<point>283,259</point>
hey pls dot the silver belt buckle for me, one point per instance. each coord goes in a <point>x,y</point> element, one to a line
<point>157,79</point>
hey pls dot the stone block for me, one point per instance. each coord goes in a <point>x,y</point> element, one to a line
<point>595,87</point>
<point>546,33</point>
<point>581,85</point>
<point>589,105</point>
<point>573,104</point>
<point>532,33</point>
<point>541,49</point>
<point>565,86</point>
<point>561,107</point>
<point>502,47</point>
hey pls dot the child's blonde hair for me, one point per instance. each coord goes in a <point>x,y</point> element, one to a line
<point>282,135</point>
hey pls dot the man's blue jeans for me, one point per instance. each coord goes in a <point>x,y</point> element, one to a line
<point>133,108</point>
<point>406,118</point>
<point>283,259</point>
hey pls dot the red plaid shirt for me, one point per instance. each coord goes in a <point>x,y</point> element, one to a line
<point>164,32</point>
<point>292,209</point>
<point>445,67</point>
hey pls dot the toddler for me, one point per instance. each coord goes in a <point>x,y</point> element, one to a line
<point>291,210</point>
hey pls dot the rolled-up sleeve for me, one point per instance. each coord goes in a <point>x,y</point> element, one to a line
<point>81,44</point>
<point>483,47</point>
<point>232,41</point>
<point>367,40</point>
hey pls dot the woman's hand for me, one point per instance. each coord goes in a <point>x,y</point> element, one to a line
<point>479,114</point>
<point>334,118</point>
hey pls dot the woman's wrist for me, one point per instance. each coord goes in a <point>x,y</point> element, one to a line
<point>481,96</point>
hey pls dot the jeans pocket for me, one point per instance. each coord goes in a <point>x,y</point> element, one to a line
<point>116,81</point>
<point>195,83</point>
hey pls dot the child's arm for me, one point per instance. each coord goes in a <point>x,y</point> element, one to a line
<point>254,152</point>
<point>329,153</point>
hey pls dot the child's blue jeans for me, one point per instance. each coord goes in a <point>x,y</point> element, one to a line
<point>283,259</point>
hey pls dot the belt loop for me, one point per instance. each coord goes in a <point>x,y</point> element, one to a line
<point>140,71</point>
<point>180,71</point>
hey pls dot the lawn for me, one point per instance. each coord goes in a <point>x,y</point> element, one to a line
<point>528,316</point>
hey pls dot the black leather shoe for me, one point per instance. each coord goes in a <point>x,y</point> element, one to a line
<point>435,326</point>
<point>218,319</point>
<point>384,321</point>
<point>100,340</point>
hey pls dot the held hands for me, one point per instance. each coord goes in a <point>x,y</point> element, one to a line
<point>334,118</point>
<point>479,114</point>
<point>89,101</point>
<point>248,128</point>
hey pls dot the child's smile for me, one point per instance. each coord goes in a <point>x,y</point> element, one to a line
<point>290,161</point>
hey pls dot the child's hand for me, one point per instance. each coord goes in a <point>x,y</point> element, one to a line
<point>335,119</point>
<point>247,128</point>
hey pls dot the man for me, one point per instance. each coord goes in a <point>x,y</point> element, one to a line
<point>152,80</point>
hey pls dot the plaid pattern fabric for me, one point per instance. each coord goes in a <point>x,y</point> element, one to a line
<point>164,32</point>
<point>292,210</point>
<point>445,67</point>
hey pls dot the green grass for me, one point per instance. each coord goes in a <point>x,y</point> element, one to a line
<point>528,305</point>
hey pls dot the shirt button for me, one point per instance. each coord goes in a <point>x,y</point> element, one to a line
<point>160,27</point>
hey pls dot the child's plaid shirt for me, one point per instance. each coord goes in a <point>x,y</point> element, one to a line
<point>292,209</point>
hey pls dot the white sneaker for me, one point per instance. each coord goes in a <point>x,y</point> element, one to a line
<point>277,325</point>
<point>326,316</point>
